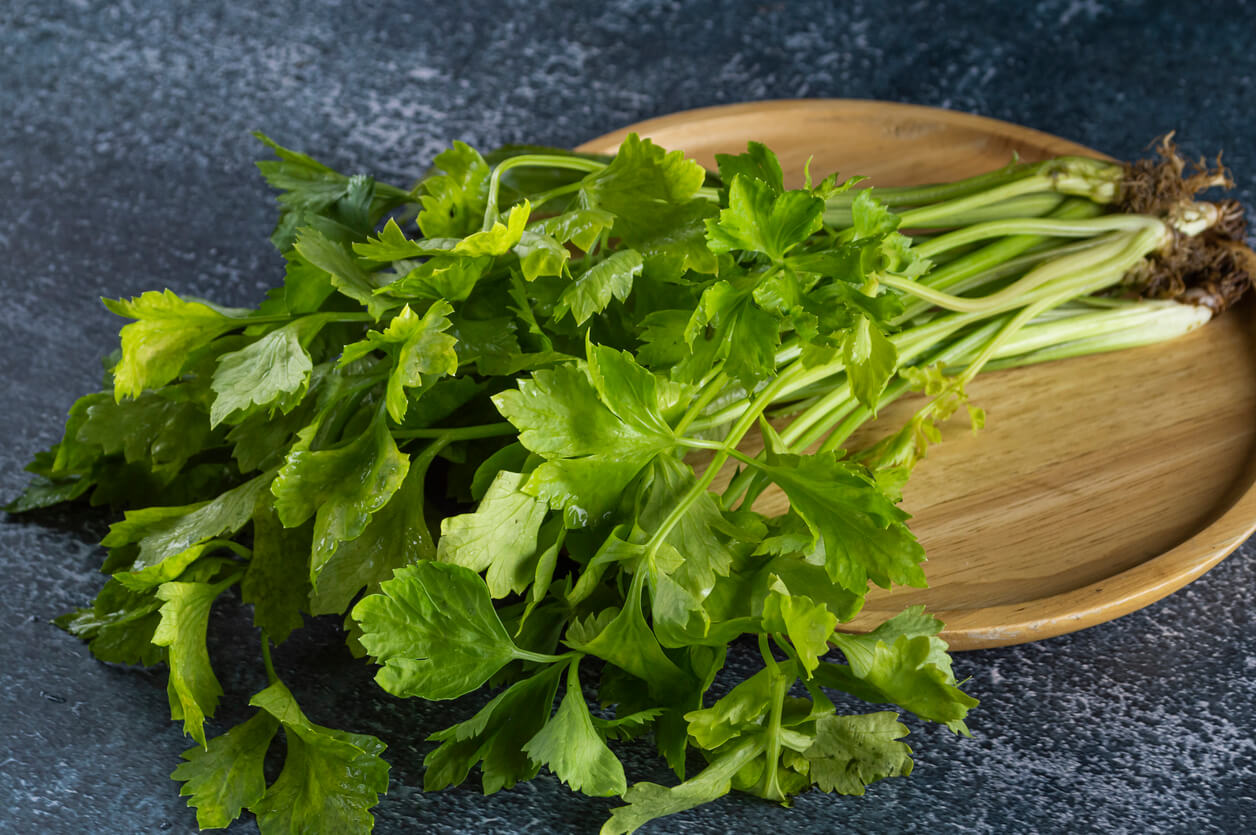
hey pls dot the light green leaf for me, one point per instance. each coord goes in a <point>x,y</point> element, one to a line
<point>902,662</point>
<point>572,748</point>
<point>540,255</point>
<point>500,238</point>
<point>870,217</point>
<point>434,630</point>
<point>591,291</point>
<point>808,624</point>
<point>273,371</point>
<point>501,536</point>
<point>339,487</point>
<point>450,277</point>
<point>494,737</point>
<point>193,688</point>
<point>870,360</point>
<point>855,527</point>
<point>740,711</point>
<point>343,270</point>
<point>167,532</point>
<point>330,778</point>
<point>391,244</point>
<point>225,777</point>
<point>626,641</point>
<point>591,453</point>
<point>420,350</point>
<point>850,752</point>
<point>648,801</point>
<point>760,220</point>
<point>580,226</point>
<point>453,201</point>
<point>757,163</point>
<point>167,329</point>
<point>396,535</point>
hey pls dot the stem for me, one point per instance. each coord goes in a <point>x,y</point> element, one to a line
<point>1045,226</point>
<point>459,433</point>
<point>543,658</point>
<point>271,676</point>
<point>710,390</point>
<point>761,402</point>
<point>491,210</point>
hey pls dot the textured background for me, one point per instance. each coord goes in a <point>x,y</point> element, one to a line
<point>125,165</point>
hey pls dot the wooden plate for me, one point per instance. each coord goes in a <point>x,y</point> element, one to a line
<point>1100,484</point>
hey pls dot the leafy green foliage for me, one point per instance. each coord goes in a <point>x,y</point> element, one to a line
<point>433,628</point>
<point>166,330</point>
<point>490,440</point>
<point>574,750</point>
<point>420,350</point>
<point>194,689</point>
<point>339,487</point>
<point>850,752</point>
<point>225,776</point>
<point>330,778</point>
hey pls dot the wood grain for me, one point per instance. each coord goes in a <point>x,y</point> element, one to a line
<point>1100,484</point>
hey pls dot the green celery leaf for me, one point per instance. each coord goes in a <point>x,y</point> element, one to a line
<point>644,187</point>
<point>330,778</point>
<point>540,255</point>
<point>396,535</point>
<point>454,200</point>
<point>757,163</point>
<point>624,639</point>
<point>902,662</point>
<point>450,277</point>
<point>119,625</point>
<point>274,371</point>
<point>760,220</point>
<point>850,752</point>
<point>740,711</point>
<point>591,453</point>
<point>870,361</point>
<point>167,532</point>
<point>648,801</point>
<point>153,428</point>
<point>571,747</point>
<point>420,350</point>
<point>501,536</point>
<point>434,630</point>
<point>339,487</point>
<point>627,727</point>
<point>193,688</point>
<point>726,325</point>
<point>498,239</point>
<point>391,244</point>
<point>167,330</point>
<point>581,227</point>
<point>808,624</point>
<point>277,580</point>
<point>343,270</point>
<point>870,218</point>
<point>226,776</point>
<point>495,737</point>
<point>858,529</point>
<point>591,291</point>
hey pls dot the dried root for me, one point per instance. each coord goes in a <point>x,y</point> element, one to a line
<point>1214,268</point>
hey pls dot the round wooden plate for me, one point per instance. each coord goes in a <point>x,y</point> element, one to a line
<point>1100,484</point>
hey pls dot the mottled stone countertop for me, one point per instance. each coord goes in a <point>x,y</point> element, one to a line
<point>126,165</point>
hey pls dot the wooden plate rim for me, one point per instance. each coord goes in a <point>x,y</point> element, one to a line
<point>1044,617</point>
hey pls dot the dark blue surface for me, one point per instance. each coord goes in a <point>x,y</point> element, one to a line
<point>126,165</point>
